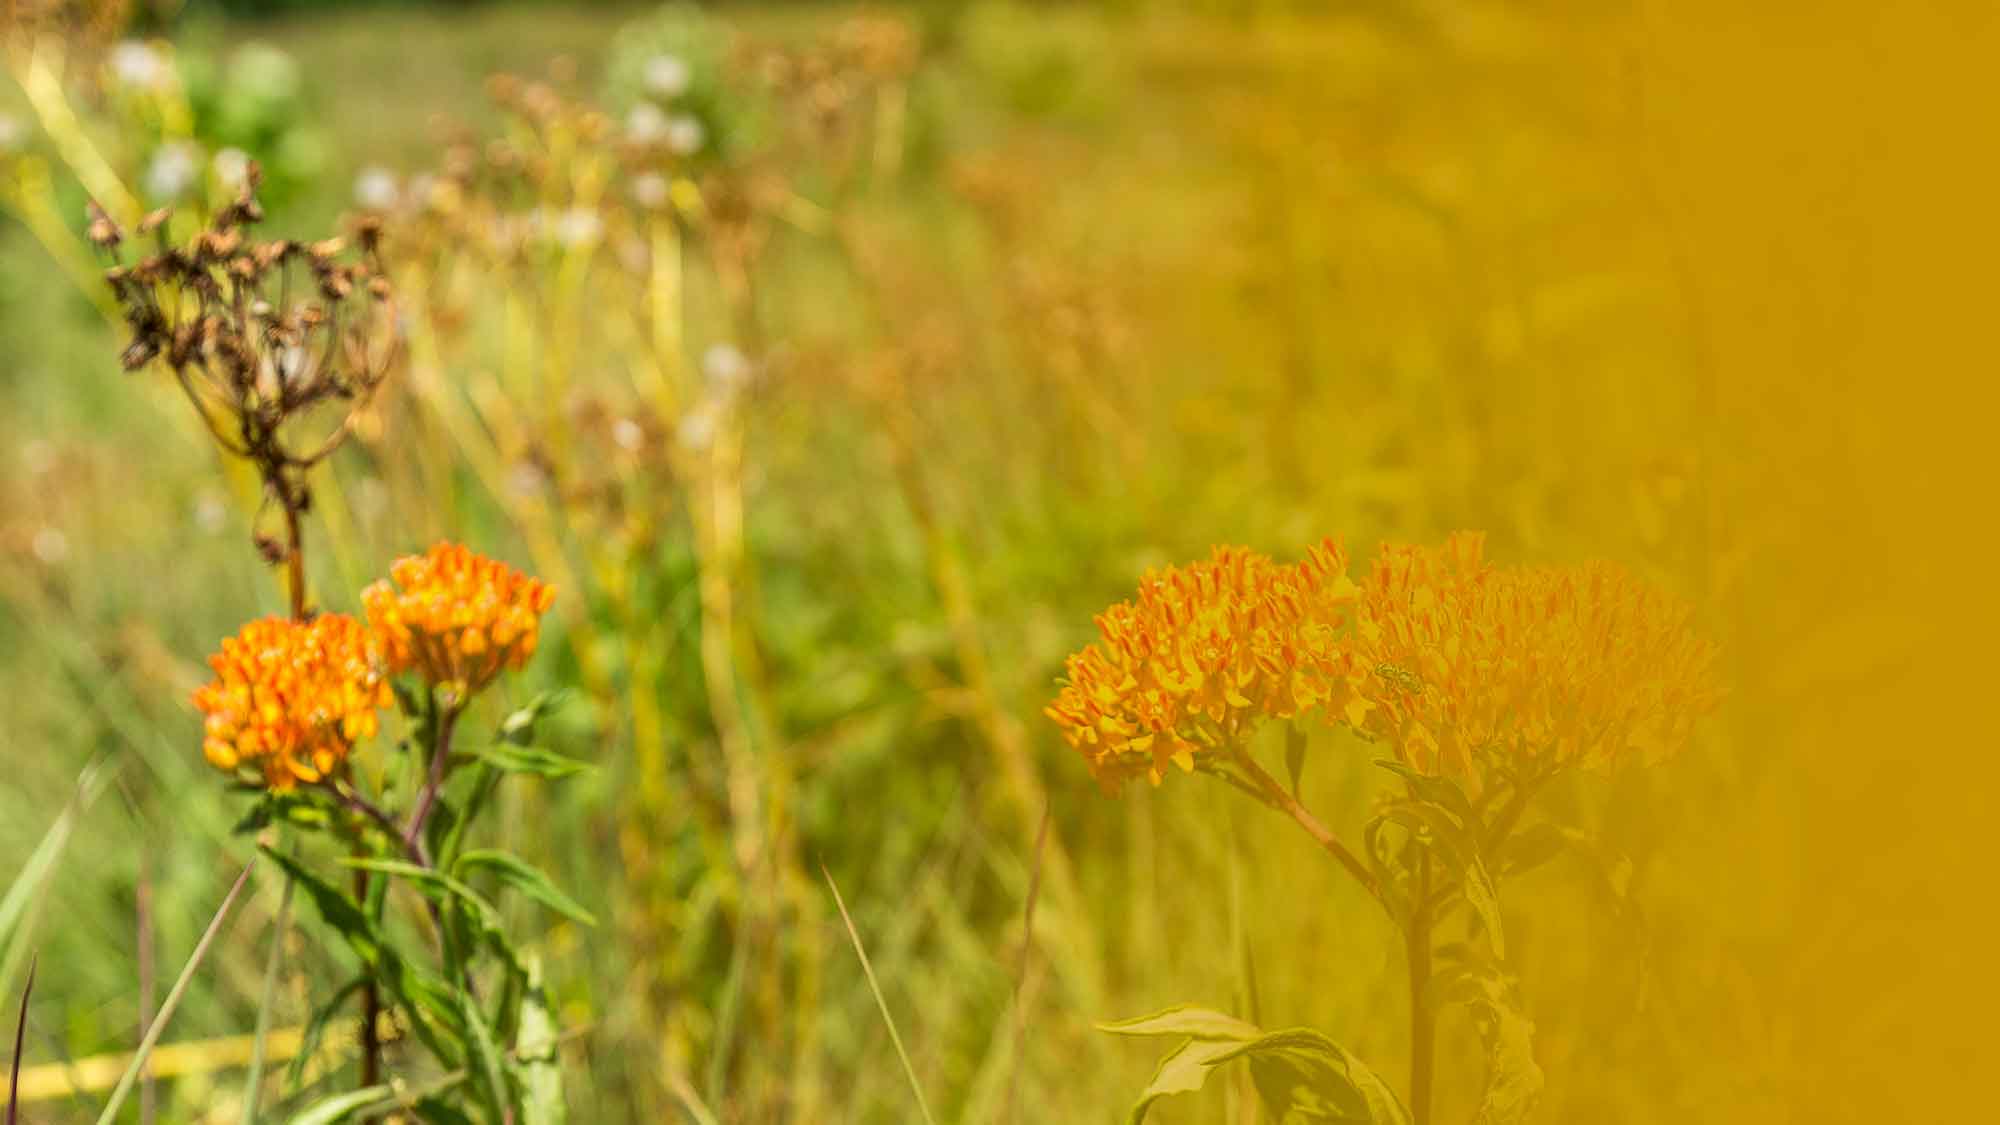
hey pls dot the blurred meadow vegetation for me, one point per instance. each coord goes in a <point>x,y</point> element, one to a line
<point>1012,303</point>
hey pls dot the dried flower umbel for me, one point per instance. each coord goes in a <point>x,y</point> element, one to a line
<point>279,345</point>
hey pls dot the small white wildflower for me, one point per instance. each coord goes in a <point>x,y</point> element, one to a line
<point>628,434</point>
<point>211,511</point>
<point>666,76</point>
<point>646,124</point>
<point>50,546</point>
<point>526,479</point>
<point>685,135</point>
<point>578,227</point>
<point>726,367</point>
<point>649,190</point>
<point>173,170</point>
<point>138,65</point>
<point>697,429</point>
<point>376,188</point>
<point>232,166</point>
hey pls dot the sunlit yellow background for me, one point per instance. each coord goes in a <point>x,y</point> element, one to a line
<point>1706,288</point>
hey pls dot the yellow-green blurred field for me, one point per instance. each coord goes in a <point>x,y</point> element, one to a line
<point>1080,292</point>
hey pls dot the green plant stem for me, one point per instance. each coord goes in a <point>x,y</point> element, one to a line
<point>371,1006</point>
<point>1276,796</point>
<point>413,836</point>
<point>1422,1038</point>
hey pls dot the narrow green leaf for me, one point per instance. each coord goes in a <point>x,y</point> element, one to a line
<point>342,1106</point>
<point>486,1053</point>
<point>528,880</point>
<point>1188,1020</point>
<point>535,1046</point>
<point>1440,791</point>
<point>1513,1078</point>
<point>508,758</point>
<point>518,728</point>
<point>419,994</point>
<point>437,1111</point>
<point>315,1031</point>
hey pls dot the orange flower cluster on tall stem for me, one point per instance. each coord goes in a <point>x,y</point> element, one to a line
<point>1203,654</point>
<point>1523,670</point>
<point>456,617</point>
<point>293,697</point>
<point>1461,667</point>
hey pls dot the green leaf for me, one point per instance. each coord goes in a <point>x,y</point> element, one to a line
<point>518,728</point>
<point>1301,1076</point>
<point>1440,791</point>
<point>535,1046</point>
<point>315,1031</point>
<point>436,883</point>
<point>1186,1020</point>
<point>519,875</point>
<point>1459,849</point>
<point>417,992</point>
<point>508,758</point>
<point>1183,1071</point>
<point>486,1053</point>
<point>341,1106</point>
<point>1513,1079</point>
<point>435,1110</point>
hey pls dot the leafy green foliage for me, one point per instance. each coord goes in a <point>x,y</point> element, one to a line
<point>1300,1075</point>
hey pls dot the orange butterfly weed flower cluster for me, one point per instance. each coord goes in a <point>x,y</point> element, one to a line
<point>1525,669</point>
<point>1460,666</point>
<point>291,698</point>
<point>1205,652</point>
<point>294,697</point>
<point>456,617</point>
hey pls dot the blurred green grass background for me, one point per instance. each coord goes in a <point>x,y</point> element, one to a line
<point>1152,279</point>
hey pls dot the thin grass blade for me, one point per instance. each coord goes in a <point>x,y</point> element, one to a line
<point>173,1001</point>
<point>882,1003</point>
<point>20,1046</point>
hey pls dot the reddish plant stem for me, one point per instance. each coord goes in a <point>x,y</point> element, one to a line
<point>1277,797</point>
<point>413,836</point>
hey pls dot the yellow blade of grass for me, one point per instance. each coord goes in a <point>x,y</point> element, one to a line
<point>868,971</point>
<point>173,1000</point>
